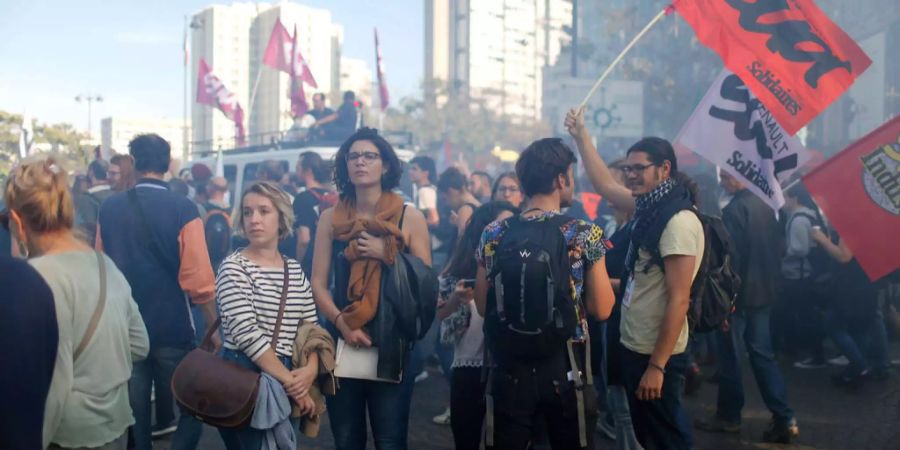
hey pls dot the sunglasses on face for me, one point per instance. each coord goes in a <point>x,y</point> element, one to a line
<point>636,169</point>
<point>366,156</point>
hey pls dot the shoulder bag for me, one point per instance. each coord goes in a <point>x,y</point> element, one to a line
<point>219,392</point>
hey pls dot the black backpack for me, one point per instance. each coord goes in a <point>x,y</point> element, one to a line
<point>822,266</point>
<point>530,310</point>
<point>217,227</point>
<point>716,286</point>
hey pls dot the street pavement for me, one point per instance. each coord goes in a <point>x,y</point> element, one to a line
<point>829,418</point>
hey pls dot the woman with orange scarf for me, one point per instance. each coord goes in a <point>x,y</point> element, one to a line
<point>354,242</point>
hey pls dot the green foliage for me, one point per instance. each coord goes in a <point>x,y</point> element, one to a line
<point>63,139</point>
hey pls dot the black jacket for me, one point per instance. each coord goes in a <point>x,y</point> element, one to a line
<point>758,246</point>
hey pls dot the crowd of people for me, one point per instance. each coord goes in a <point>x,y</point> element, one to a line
<point>334,289</point>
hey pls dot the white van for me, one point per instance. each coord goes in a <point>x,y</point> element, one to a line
<point>241,165</point>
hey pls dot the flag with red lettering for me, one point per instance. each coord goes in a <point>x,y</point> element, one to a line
<point>382,83</point>
<point>278,51</point>
<point>790,54</point>
<point>211,91</point>
<point>859,191</point>
<point>732,129</point>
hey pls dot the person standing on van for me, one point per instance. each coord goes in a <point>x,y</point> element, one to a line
<point>355,239</point>
<point>540,274</point>
<point>100,329</point>
<point>155,237</point>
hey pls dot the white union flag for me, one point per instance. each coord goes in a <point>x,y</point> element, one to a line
<point>732,129</point>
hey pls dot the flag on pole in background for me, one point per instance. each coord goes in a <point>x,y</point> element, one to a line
<point>278,51</point>
<point>382,82</point>
<point>211,91</point>
<point>299,71</point>
<point>789,53</point>
<point>735,131</point>
<point>859,191</point>
<point>299,67</point>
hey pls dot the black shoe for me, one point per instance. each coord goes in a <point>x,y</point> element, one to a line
<point>717,424</point>
<point>849,380</point>
<point>782,432</point>
<point>693,380</point>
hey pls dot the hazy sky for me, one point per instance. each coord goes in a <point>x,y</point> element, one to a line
<point>130,52</point>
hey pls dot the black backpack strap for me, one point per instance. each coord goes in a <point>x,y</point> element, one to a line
<point>402,216</point>
<point>152,241</point>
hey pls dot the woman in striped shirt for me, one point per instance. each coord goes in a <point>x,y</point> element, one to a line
<point>249,286</point>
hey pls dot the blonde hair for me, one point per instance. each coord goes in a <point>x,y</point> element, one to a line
<point>38,191</point>
<point>280,200</point>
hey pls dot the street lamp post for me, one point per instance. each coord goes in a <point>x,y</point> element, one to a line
<point>90,99</point>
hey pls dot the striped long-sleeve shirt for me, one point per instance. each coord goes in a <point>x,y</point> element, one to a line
<point>248,297</point>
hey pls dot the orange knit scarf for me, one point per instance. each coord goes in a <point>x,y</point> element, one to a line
<point>364,288</point>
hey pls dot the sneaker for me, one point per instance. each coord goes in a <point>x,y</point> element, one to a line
<point>606,428</point>
<point>781,432</point>
<point>840,361</point>
<point>422,376</point>
<point>811,363</point>
<point>693,380</point>
<point>717,424</point>
<point>442,419</point>
<point>160,431</point>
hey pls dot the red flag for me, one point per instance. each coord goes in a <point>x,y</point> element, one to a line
<point>299,66</point>
<point>859,191</point>
<point>211,91</point>
<point>299,106</point>
<point>382,83</point>
<point>789,53</point>
<point>278,51</point>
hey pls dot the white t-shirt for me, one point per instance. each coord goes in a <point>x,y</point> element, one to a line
<point>426,198</point>
<point>646,295</point>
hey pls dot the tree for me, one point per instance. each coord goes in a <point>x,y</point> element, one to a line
<point>64,141</point>
<point>468,124</point>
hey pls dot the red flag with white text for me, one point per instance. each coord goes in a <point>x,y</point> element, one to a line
<point>859,191</point>
<point>278,51</point>
<point>212,91</point>
<point>382,82</point>
<point>788,52</point>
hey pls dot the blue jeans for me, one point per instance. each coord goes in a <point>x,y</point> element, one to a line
<point>617,402</point>
<point>751,325</point>
<point>388,408</point>
<point>159,365</point>
<point>658,424</point>
<point>848,340</point>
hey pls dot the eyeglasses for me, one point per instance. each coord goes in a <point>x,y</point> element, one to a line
<point>636,169</point>
<point>366,156</point>
<point>508,189</point>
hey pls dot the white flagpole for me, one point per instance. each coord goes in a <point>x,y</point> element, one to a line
<point>618,59</point>
<point>253,93</point>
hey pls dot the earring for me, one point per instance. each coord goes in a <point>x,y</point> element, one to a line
<point>23,249</point>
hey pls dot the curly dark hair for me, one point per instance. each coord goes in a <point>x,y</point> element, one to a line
<point>541,162</point>
<point>462,263</point>
<point>389,159</point>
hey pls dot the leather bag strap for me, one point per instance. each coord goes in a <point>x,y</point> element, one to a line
<point>98,311</point>
<point>284,293</point>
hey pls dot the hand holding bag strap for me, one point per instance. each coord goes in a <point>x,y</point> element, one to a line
<point>284,292</point>
<point>98,311</point>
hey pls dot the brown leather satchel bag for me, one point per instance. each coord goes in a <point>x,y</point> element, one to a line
<point>219,392</point>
